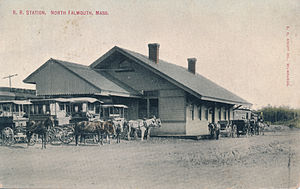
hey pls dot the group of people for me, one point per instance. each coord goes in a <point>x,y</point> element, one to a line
<point>250,127</point>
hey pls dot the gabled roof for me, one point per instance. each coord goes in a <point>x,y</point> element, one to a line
<point>195,84</point>
<point>92,77</point>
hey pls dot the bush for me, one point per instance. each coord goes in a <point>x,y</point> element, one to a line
<point>281,115</point>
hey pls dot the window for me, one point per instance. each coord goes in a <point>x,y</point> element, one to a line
<point>228,114</point>
<point>91,106</point>
<point>220,110</point>
<point>39,109</point>
<point>225,113</point>
<point>125,64</point>
<point>148,106</point>
<point>98,109</point>
<point>192,111</point>
<point>199,112</point>
<point>206,114</point>
<point>153,107</point>
<point>61,107</point>
<point>68,108</point>
<point>125,67</point>
<point>142,108</point>
<point>151,93</point>
<point>47,108</point>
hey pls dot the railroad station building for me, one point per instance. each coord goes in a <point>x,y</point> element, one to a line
<point>7,93</point>
<point>184,100</point>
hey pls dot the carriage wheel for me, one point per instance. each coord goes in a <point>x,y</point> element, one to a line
<point>8,136</point>
<point>234,131</point>
<point>34,138</point>
<point>54,135</point>
<point>68,135</point>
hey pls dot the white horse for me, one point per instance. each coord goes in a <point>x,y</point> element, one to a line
<point>143,125</point>
<point>152,123</point>
<point>261,127</point>
<point>136,125</point>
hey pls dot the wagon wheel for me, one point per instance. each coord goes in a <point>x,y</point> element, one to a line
<point>20,134</point>
<point>34,138</point>
<point>7,136</point>
<point>54,135</point>
<point>234,131</point>
<point>68,135</point>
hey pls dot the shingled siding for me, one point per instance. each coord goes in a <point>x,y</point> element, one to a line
<point>172,112</point>
<point>171,99</point>
<point>55,80</point>
<point>139,78</point>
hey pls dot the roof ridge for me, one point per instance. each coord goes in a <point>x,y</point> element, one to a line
<point>185,71</point>
<point>70,63</point>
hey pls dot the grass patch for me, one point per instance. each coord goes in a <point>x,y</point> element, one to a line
<point>291,123</point>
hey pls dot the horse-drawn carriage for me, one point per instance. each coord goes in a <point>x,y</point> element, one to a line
<point>225,128</point>
<point>57,120</point>
<point>239,127</point>
<point>66,113</point>
<point>13,121</point>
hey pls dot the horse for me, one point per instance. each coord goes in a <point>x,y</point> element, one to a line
<point>214,130</point>
<point>152,123</point>
<point>143,126</point>
<point>252,127</point>
<point>119,124</point>
<point>41,128</point>
<point>109,130</point>
<point>136,125</point>
<point>98,127</point>
<point>261,127</point>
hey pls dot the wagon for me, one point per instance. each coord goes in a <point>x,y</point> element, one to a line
<point>239,127</point>
<point>13,121</point>
<point>67,112</point>
<point>225,128</point>
<point>54,133</point>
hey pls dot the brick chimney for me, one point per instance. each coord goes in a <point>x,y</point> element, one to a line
<point>154,52</point>
<point>192,65</point>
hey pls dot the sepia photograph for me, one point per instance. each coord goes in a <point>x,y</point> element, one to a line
<point>150,94</point>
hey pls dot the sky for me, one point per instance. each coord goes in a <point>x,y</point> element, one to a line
<point>240,45</point>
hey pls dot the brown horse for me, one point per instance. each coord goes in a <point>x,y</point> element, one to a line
<point>39,127</point>
<point>99,128</point>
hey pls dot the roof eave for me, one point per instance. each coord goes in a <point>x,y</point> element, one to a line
<point>225,101</point>
<point>27,79</point>
<point>112,93</point>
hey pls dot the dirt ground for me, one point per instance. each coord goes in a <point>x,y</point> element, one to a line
<point>268,161</point>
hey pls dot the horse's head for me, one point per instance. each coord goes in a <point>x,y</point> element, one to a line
<point>158,122</point>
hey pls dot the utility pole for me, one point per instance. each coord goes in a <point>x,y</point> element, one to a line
<point>9,77</point>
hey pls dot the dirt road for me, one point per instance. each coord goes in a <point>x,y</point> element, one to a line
<point>269,161</point>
